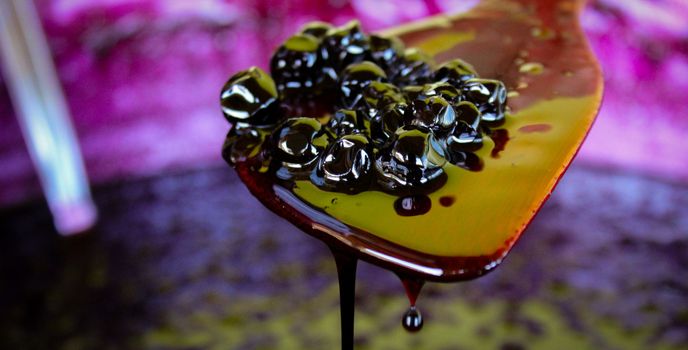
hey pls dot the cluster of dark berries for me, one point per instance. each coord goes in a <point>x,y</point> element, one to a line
<point>391,117</point>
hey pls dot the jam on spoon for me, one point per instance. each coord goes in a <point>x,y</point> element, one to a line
<point>390,129</point>
<point>398,139</point>
<point>390,121</point>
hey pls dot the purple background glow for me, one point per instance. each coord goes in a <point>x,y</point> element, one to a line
<point>142,79</point>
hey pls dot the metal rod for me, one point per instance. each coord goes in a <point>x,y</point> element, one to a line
<point>43,116</point>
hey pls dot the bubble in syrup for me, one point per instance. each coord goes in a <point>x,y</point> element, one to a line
<point>543,33</point>
<point>533,68</point>
<point>412,205</point>
<point>412,320</point>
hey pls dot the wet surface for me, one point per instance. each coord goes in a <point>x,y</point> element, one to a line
<point>192,261</point>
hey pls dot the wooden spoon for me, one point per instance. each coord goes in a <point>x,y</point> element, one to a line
<point>538,50</point>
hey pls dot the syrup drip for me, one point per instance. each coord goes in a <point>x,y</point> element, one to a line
<point>346,272</point>
<point>447,201</point>
<point>412,319</point>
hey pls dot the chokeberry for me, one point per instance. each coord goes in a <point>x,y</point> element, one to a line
<point>489,96</point>
<point>346,164</point>
<point>414,159</point>
<point>250,96</point>
<point>455,72</point>
<point>297,142</point>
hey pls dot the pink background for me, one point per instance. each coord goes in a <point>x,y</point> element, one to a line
<point>142,79</point>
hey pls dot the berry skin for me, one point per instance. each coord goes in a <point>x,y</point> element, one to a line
<point>434,113</point>
<point>344,45</point>
<point>464,138</point>
<point>242,144</point>
<point>378,95</point>
<point>347,164</point>
<point>469,113</point>
<point>348,121</point>
<point>386,52</point>
<point>294,63</point>
<point>355,79</point>
<point>364,113</point>
<point>455,72</point>
<point>384,125</point>
<point>414,68</point>
<point>297,142</point>
<point>444,90</point>
<point>489,96</point>
<point>250,96</point>
<point>414,159</point>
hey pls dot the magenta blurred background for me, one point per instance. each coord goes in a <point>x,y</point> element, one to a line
<point>142,79</point>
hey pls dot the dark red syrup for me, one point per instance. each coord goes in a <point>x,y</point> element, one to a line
<point>535,128</point>
<point>500,138</point>
<point>447,201</point>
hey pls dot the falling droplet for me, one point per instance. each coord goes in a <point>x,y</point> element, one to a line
<point>412,320</point>
<point>346,272</point>
<point>533,68</point>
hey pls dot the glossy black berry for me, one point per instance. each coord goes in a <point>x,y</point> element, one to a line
<point>469,113</point>
<point>365,114</point>
<point>414,159</point>
<point>243,143</point>
<point>386,52</point>
<point>464,138</point>
<point>414,68</point>
<point>466,135</point>
<point>434,113</point>
<point>455,72</point>
<point>384,125</point>
<point>297,142</point>
<point>413,92</point>
<point>344,45</point>
<point>348,121</point>
<point>465,159</point>
<point>347,164</point>
<point>355,79</point>
<point>447,91</point>
<point>379,95</point>
<point>489,96</point>
<point>250,96</point>
<point>293,65</point>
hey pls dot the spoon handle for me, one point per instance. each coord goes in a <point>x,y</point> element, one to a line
<point>43,116</point>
